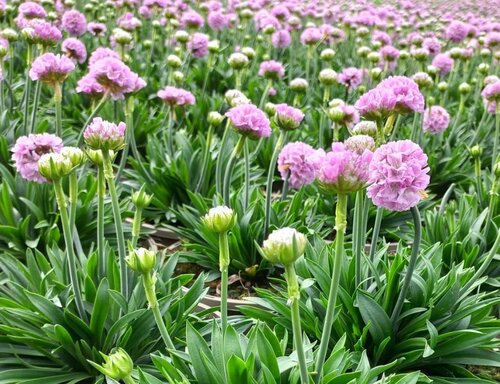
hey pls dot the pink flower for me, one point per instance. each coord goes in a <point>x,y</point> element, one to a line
<point>101,53</point>
<point>281,39</point>
<point>436,119</point>
<point>74,23</point>
<point>198,45</point>
<point>491,96</point>
<point>176,96</point>
<point>398,175</point>
<point>344,170</point>
<point>28,150</point>
<point>51,69</point>
<point>443,62</point>
<point>311,35</point>
<point>249,121</point>
<point>217,20</point>
<point>299,162</point>
<point>45,33</point>
<point>75,49</point>
<point>271,69</point>
<point>350,77</point>
<point>102,134</point>
<point>96,29</point>
<point>192,19</point>
<point>287,117</point>
<point>457,31</point>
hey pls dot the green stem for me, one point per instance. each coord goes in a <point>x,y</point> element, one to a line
<point>38,89</point>
<point>73,199</point>
<point>101,193</point>
<point>169,139</point>
<point>340,225</point>
<point>270,176</point>
<point>224,260</point>
<point>110,180</point>
<point>491,207</point>
<point>284,192</point>
<point>136,227</point>
<point>358,235</point>
<point>28,93</point>
<point>206,154</point>
<point>479,184</point>
<point>265,93</point>
<point>376,232</point>
<point>497,136</point>
<point>149,288</point>
<point>129,135</point>
<point>58,107</point>
<point>326,97</point>
<point>411,265</point>
<point>294,297</point>
<point>229,170</point>
<point>219,162</point>
<point>128,380</point>
<point>246,196</point>
<point>73,274</point>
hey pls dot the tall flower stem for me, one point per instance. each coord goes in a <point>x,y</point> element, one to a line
<point>169,133</point>
<point>136,227</point>
<point>229,170</point>
<point>326,97</point>
<point>284,192</point>
<point>491,206</point>
<point>411,265</point>
<point>110,180</point>
<point>497,134</point>
<point>219,162</point>
<point>265,93</point>
<point>246,195</point>
<point>376,232</point>
<point>224,261</point>
<point>479,184</point>
<point>340,225</point>
<point>2,96</point>
<point>128,380</point>
<point>27,88</point>
<point>294,297</point>
<point>129,134</point>
<point>101,194</point>
<point>38,89</point>
<point>358,234</point>
<point>149,288</point>
<point>73,200</point>
<point>58,107</point>
<point>270,176</point>
<point>73,275</point>
<point>206,154</point>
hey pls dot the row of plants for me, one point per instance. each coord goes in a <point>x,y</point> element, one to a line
<point>334,165</point>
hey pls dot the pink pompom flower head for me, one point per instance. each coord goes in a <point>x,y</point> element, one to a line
<point>74,23</point>
<point>350,77</point>
<point>287,118</point>
<point>299,163</point>
<point>271,69</point>
<point>344,169</point>
<point>45,33</point>
<point>75,50</point>
<point>249,121</point>
<point>491,96</point>
<point>198,45</point>
<point>96,29</point>
<point>105,135</point>
<point>396,94</point>
<point>176,96</point>
<point>51,69</point>
<point>398,175</point>
<point>28,150</point>
<point>436,119</point>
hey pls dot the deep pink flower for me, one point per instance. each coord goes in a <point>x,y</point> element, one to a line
<point>344,170</point>
<point>398,175</point>
<point>436,119</point>
<point>28,150</point>
<point>51,69</point>
<point>350,77</point>
<point>198,45</point>
<point>176,96</point>
<point>74,23</point>
<point>299,162</point>
<point>249,121</point>
<point>271,69</point>
<point>75,49</point>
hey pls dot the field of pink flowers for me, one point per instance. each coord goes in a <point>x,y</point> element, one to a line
<point>249,192</point>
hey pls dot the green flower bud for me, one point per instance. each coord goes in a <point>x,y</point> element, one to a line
<point>141,199</point>
<point>476,151</point>
<point>375,73</point>
<point>215,118</point>
<point>404,54</point>
<point>219,219</point>
<point>299,85</point>
<point>374,57</point>
<point>432,70</point>
<point>10,35</point>
<point>182,36</point>
<point>483,68</point>
<point>496,170</point>
<point>368,128</point>
<point>238,61</point>
<point>442,86</point>
<point>431,101</point>
<point>246,13</point>
<point>270,109</point>
<point>28,34</point>
<point>248,52</point>
<point>122,37</point>
<point>178,76</point>
<point>142,260</point>
<point>328,76</point>
<point>364,51</point>
<point>174,61</point>
<point>485,53</point>
<point>327,54</point>
<point>117,365</point>
<point>336,114</point>
<point>464,88</point>
<point>147,43</point>
<point>3,52</point>
<point>95,156</point>
<point>74,155</point>
<point>54,166</point>
<point>214,46</point>
<point>376,45</point>
<point>284,246</point>
<point>269,29</point>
